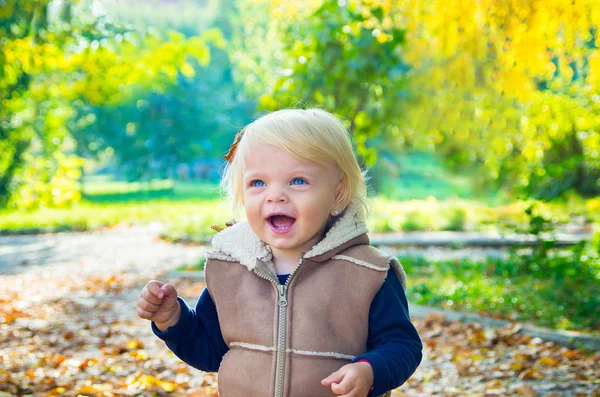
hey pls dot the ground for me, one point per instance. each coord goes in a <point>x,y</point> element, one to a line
<point>68,327</point>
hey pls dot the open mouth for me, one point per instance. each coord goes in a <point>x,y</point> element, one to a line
<point>281,223</point>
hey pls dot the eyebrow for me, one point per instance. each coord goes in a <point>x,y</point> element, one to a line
<point>251,175</point>
<point>294,172</point>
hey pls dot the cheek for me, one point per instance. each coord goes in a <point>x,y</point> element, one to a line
<point>319,206</point>
<point>251,206</point>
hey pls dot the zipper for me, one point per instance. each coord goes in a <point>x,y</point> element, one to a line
<point>282,302</point>
<point>281,336</point>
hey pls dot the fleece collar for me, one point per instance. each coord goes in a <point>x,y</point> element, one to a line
<point>240,243</point>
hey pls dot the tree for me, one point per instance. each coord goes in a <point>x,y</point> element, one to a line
<point>55,55</point>
<point>152,133</point>
<point>510,87</point>
<point>342,56</point>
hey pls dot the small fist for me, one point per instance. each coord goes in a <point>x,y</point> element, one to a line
<point>158,303</point>
<point>352,380</point>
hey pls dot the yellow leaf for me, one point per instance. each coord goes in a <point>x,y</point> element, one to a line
<point>549,361</point>
<point>97,388</point>
<point>166,386</point>
<point>148,381</point>
<point>134,344</point>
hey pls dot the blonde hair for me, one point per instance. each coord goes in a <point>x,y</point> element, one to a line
<point>311,134</point>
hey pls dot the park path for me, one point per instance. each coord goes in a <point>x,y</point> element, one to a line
<point>68,327</point>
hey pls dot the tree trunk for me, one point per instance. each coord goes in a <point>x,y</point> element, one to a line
<point>7,177</point>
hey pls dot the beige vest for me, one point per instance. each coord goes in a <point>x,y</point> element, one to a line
<point>284,339</point>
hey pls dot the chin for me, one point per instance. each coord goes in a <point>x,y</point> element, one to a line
<point>282,245</point>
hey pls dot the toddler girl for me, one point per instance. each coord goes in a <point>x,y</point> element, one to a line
<point>297,303</point>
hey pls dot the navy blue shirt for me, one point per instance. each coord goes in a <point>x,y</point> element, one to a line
<point>393,345</point>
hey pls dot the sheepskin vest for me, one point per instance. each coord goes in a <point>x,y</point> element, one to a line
<point>284,339</point>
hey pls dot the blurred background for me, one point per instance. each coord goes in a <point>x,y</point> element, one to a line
<point>469,116</point>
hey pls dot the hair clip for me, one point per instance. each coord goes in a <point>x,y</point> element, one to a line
<point>233,147</point>
<point>219,229</point>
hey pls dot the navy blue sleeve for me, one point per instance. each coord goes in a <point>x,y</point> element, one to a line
<point>394,348</point>
<point>196,338</point>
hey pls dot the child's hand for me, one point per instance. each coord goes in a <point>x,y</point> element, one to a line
<point>158,303</point>
<point>352,380</point>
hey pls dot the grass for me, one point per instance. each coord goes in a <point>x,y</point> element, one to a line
<point>454,214</point>
<point>560,291</point>
<point>418,175</point>
<point>187,211</point>
<point>109,192</point>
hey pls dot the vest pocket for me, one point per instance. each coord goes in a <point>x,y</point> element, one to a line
<point>306,373</point>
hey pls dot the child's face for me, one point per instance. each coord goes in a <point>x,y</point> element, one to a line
<point>288,200</point>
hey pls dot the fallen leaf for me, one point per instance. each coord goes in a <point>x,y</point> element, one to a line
<point>101,388</point>
<point>59,359</point>
<point>434,318</point>
<point>134,344</point>
<point>530,374</point>
<point>525,391</point>
<point>147,381</point>
<point>494,385</point>
<point>549,361</point>
<point>571,354</point>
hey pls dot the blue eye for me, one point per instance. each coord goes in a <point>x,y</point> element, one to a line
<point>298,181</point>
<point>257,183</point>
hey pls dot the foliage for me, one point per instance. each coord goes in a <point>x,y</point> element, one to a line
<point>511,86</point>
<point>152,134</point>
<point>56,58</point>
<point>190,17</point>
<point>191,123</point>
<point>343,57</point>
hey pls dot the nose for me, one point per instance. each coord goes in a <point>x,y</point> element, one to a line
<point>276,194</point>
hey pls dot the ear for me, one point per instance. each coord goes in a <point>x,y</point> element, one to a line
<point>338,190</point>
<point>338,200</point>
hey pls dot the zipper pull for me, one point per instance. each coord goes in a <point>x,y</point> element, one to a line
<point>282,294</point>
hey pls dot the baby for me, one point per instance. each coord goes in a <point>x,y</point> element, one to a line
<point>297,303</point>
